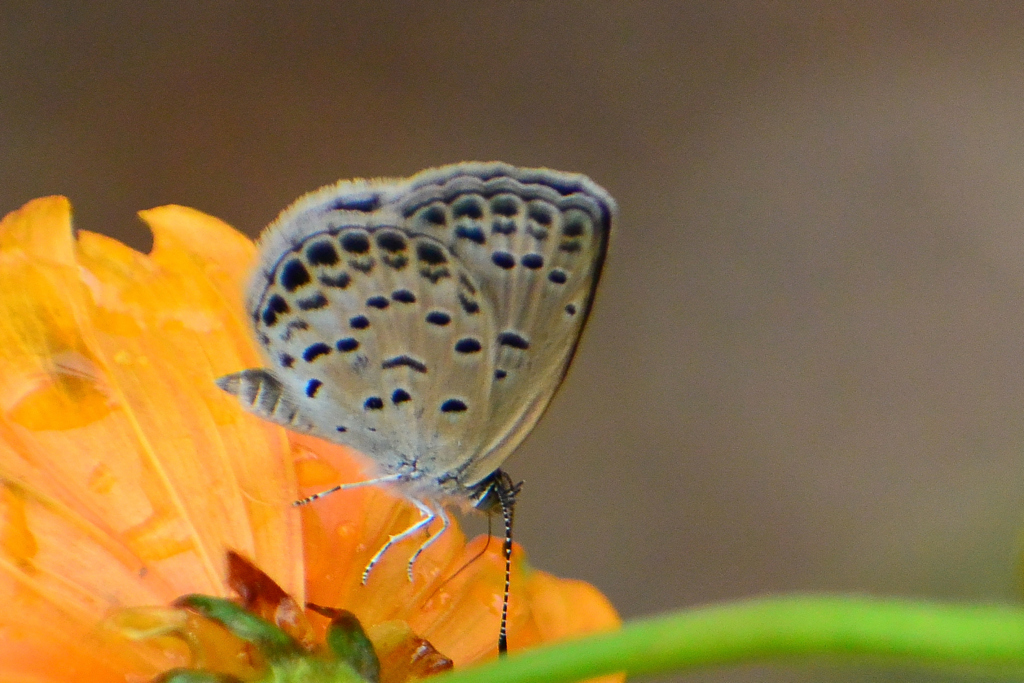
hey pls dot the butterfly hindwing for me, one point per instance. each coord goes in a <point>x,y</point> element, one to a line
<point>379,338</point>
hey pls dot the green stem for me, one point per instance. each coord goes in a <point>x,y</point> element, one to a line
<point>902,632</point>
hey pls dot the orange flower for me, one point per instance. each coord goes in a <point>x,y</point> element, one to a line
<point>126,475</point>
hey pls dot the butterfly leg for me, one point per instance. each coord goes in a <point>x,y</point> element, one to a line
<point>343,487</point>
<point>428,516</point>
<point>445,522</point>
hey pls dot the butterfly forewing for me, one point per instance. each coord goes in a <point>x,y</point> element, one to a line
<point>379,339</point>
<point>535,241</point>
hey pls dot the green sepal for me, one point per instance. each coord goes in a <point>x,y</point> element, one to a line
<point>347,640</point>
<point>271,641</point>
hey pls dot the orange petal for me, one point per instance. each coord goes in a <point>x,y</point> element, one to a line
<point>126,475</point>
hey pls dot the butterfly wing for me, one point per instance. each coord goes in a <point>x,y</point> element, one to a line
<point>374,338</point>
<point>426,322</point>
<point>535,241</point>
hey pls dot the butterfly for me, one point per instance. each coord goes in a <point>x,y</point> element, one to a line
<point>426,322</point>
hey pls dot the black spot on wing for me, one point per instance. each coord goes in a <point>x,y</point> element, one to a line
<point>314,351</point>
<point>275,305</point>
<point>379,302</point>
<point>396,261</point>
<point>540,214</point>
<point>505,205</point>
<point>373,403</point>
<point>293,275</point>
<point>391,241</point>
<point>532,261</point>
<point>435,273</point>
<point>439,318</point>
<point>322,253</point>
<point>432,260</point>
<point>404,361</point>
<point>468,345</point>
<point>341,280</point>
<point>292,326</point>
<point>430,253</point>
<point>503,259</point>
<point>502,226</point>
<point>575,225</point>
<point>364,264</point>
<point>563,186</point>
<point>286,360</point>
<point>513,339</point>
<point>537,232</point>
<point>500,374</point>
<point>313,303</point>
<point>570,309</point>
<point>473,233</point>
<point>359,322</point>
<point>468,207</point>
<point>558,276</point>
<point>468,305</point>
<point>347,344</point>
<point>400,396</point>
<point>435,214</point>
<point>364,201</point>
<point>355,243</point>
<point>403,296</point>
<point>313,386</point>
<point>453,405</point>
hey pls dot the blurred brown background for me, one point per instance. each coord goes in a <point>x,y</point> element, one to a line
<point>805,370</point>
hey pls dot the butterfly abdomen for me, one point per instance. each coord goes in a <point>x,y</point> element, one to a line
<point>262,394</point>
